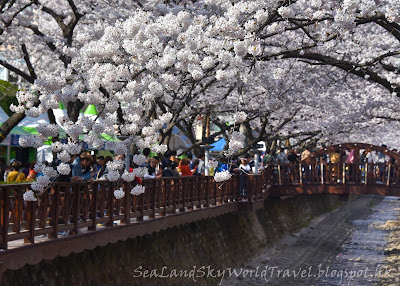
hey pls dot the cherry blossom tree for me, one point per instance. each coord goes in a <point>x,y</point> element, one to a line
<point>282,69</point>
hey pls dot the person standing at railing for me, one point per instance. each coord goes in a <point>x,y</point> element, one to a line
<point>267,159</point>
<point>349,164</point>
<point>305,162</point>
<point>335,160</point>
<point>223,165</point>
<point>102,172</point>
<point>151,167</point>
<point>201,166</point>
<point>382,160</point>
<point>78,166</point>
<point>171,170</point>
<point>183,168</point>
<point>293,167</point>
<point>244,169</point>
<point>16,176</point>
<point>193,166</point>
<point>32,173</point>
<point>282,157</point>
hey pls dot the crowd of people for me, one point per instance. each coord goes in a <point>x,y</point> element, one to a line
<point>87,167</point>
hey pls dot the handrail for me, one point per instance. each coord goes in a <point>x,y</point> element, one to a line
<point>72,207</point>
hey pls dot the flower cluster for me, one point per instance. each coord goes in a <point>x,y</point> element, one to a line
<point>159,149</point>
<point>240,117</point>
<point>236,141</point>
<point>140,172</point>
<point>47,130</point>
<point>128,177</point>
<point>56,146</point>
<point>113,176</point>
<point>222,176</point>
<point>64,169</point>
<point>137,190</point>
<point>119,193</point>
<point>212,164</point>
<point>29,196</point>
<point>115,165</point>
<point>139,159</point>
<point>34,141</point>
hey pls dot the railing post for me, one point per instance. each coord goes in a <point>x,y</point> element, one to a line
<point>5,218</point>
<point>301,173</point>
<point>388,177</point>
<point>141,201</point>
<point>127,207</point>
<point>110,201</point>
<point>56,211</point>
<point>250,187</point>
<point>93,213</point>
<point>31,219</point>
<point>183,186</point>
<point>199,189</point>
<point>279,175</point>
<point>164,197</point>
<point>77,195</point>
<point>322,173</point>
<point>192,185</point>
<point>215,190</point>
<point>175,194</point>
<point>366,173</point>
<point>154,198</point>
<point>344,173</point>
<point>207,189</point>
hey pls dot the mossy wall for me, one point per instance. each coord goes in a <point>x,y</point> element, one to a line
<point>225,241</point>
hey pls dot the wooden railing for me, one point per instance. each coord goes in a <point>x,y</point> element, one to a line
<point>380,173</point>
<point>77,207</point>
<point>71,207</point>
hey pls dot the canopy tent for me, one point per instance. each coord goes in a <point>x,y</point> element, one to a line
<point>29,124</point>
<point>219,145</point>
<point>91,112</point>
<point>3,115</point>
<point>178,140</point>
<point>32,122</point>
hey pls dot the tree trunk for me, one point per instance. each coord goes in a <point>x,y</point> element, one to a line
<point>73,109</point>
<point>52,120</point>
<point>10,123</point>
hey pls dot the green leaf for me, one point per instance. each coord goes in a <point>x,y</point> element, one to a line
<point>7,96</point>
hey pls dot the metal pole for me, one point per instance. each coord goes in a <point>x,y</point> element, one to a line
<point>388,177</point>
<point>256,163</point>
<point>366,173</point>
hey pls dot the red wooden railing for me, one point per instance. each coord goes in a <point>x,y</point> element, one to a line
<point>74,207</point>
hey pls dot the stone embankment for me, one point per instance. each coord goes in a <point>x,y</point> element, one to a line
<point>357,244</point>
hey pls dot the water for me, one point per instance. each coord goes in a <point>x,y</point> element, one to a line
<point>361,260</point>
